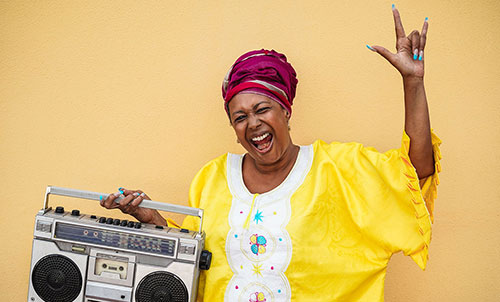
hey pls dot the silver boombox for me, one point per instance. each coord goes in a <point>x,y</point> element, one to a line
<point>85,258</point>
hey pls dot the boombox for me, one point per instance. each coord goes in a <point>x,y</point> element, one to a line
<point>86,258</point>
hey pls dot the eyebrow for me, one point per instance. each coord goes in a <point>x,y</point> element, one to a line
<point>254,107</point>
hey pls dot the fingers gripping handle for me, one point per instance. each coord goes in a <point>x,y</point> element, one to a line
<point>149,204</point>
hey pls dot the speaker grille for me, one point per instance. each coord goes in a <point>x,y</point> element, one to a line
<point>161,287</point>
<point>56,278</point>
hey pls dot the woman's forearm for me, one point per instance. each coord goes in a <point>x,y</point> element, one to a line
<point>418,126</point>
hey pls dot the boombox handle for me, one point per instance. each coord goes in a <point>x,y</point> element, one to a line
<point>149,204</point>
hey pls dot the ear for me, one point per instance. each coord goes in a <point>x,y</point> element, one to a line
<point>287,114</point>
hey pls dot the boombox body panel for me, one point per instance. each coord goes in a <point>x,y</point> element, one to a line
<point>43,248</point>
<point>116,263</point>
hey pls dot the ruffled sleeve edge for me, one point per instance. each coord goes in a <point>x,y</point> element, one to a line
<point>422,196</point>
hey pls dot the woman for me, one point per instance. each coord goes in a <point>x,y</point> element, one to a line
<point>309,223</point>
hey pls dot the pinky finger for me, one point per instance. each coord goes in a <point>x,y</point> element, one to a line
<point>423,35</point>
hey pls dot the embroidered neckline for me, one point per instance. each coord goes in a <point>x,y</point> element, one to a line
<point>288,186</point>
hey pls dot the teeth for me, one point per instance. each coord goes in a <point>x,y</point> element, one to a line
<point>259,138</point>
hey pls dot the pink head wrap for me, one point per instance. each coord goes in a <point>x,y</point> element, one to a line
<point>265,72</point>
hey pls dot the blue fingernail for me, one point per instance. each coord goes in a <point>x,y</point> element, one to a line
<point>426,19</point>
<point>120,188</point>
<point>101,197</point>
<point>393,6</point>
<point>370,48</point>
<point>420,58</point>
<point>121,191</point>
<point>414,56</point>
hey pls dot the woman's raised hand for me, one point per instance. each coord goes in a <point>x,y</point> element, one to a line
<point>409,58</point>
<point>129,204</point>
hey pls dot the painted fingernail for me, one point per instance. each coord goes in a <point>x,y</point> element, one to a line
<point>136,194</point>
<point>120,188</point>
<point>415,54</point>
<point>426,19</point>
<point>101,197</point>
<point>143,194</point>
<point>370,48</point>
<point>121,191</point>
<point>393,6</point>
<point>421,55</point>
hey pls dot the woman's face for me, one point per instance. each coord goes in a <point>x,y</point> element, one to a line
<point>261,126</point>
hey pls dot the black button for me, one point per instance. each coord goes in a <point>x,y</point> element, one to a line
<point>102,220</point>
<point>93,217</point>
<point>109,221</point>
<point>116,221</point>
<point>137,225</point>
<point>60,210</point>
<point>184,231</point>
<point>159,227</point>
<point>130,224</point>
<point>75,213</point>
<point>124,222</point>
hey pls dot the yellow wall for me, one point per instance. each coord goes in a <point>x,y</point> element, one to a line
<point>101,94</point>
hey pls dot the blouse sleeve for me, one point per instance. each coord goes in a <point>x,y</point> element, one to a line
<point>395,209</point>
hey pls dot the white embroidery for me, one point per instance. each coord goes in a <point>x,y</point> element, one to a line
<point>259,253</point>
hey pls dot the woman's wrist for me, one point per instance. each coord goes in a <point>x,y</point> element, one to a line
<point>413,80</point>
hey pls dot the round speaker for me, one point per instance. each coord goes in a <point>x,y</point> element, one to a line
<point>56,278</point>
<point>161,287</point>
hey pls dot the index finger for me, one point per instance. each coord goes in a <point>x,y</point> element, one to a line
<point>400,32</point>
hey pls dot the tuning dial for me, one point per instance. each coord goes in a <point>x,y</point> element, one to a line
<point>59,210</point>
<point>205,260</point>
<point>137,225</point>
<point>116,221</point>
<point>124,223</point>
<point>75,213</point>
<point>102,220</point>
<point>109,221</point>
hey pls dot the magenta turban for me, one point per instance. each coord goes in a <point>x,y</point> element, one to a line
<point>264,72</point>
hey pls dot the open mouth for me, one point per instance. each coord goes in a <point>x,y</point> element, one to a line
<point>263,142</point>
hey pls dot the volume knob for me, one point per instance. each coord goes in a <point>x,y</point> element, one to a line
<point>75,213</point>
<point>59,210</point>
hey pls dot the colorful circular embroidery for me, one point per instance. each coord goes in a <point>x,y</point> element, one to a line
<point>257,297</point>
<point>258,244</point>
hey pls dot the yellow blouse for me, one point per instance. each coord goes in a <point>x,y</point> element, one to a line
<point>325,234</point>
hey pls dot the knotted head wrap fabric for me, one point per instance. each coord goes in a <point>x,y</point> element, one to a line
<point>264,72</point>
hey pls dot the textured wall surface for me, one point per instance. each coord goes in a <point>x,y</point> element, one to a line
<point>101,94</point>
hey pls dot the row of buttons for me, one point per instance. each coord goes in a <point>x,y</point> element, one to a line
<point>122,223</point>
<point>130,224</point>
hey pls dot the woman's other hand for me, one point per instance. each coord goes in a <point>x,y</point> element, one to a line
<point>409,58</point>
<point>129,204</point>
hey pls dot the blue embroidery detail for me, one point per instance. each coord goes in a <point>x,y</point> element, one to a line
<point>258,217</point>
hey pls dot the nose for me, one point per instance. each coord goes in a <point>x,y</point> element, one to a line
<point>254,121</point>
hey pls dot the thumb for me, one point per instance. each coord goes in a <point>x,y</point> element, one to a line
<point>389,56</point>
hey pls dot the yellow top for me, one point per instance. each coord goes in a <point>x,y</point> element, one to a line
<point>325,234</point>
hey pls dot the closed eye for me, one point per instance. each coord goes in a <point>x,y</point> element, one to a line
<point>239,118</point>
<point>263,109</point>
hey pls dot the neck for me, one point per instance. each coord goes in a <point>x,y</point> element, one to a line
<point>284,163</point>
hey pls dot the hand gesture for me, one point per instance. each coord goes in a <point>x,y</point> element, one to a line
<point>409,58</point>
<point>129,204</point>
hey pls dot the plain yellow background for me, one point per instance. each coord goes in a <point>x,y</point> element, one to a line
<point>100,94</point>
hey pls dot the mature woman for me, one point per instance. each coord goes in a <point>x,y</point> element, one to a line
<point>309,223</point>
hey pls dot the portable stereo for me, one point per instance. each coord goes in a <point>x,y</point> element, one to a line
<point>86,258</point>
